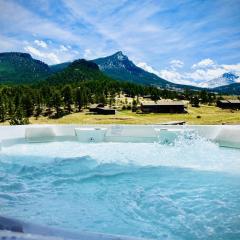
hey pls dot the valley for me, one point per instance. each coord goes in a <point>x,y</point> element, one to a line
<point>33,92</point>
<point>205,115</point>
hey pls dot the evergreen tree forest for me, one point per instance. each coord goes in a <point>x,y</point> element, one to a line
<point>73,89</point>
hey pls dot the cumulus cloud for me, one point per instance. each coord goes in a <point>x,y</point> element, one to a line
<point>92,54</point>
<point>41,43</point>
<point>63,48</point>
<point>53,54</point>
<point>147,68</point>
<point>170,74</point>
<point>233,67</point>
<point>202,75</point>
<point>205,63</point>
<point>176,63</point>
<point>49,56</point>
<point>198,74</point>
<point>88,54</point>
<point>174,76</point>
<point>208,69</point>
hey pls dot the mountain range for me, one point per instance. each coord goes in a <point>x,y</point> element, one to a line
<point>21,68</point>
<point>223,80</point>
<point>119,67</point>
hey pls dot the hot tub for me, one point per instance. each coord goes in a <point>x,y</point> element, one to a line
<point>128,182</point>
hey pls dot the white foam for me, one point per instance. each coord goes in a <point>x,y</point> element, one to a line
<point>196,153</point>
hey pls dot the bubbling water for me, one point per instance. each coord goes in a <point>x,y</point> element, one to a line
<point>185,190</point>
<point>191,152</point>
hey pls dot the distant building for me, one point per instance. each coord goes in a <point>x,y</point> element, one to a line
<point>106,111</point>
<point>100,109</point>
<point>228,104</point>
<point>93,107</point>
<point>147,96</point>
<point>163,107</point>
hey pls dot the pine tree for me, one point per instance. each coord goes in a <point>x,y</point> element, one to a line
<point>84,98</point>
<point>56,102</point>
<point>18,118</point>
<point>78,99</point>
<point>10,108</point>
<point>38,109</point>
<point>134,105</point>
<point>112,98</point>
<point>27,104</point>
<point>2,108</point>
<point>195,101</point>
<point>67,97</point>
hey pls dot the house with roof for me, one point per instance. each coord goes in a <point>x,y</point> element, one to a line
<point>101,109</point>
<point>163,107</point>
<point>228,104</point>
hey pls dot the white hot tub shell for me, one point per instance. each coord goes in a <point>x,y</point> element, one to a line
<point>224,135</point>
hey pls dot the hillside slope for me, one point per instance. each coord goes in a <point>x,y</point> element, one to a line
<point>78,71</point>
<point>59,67</point>
<point>18,68</point>
<point>119,67</point>
<point>233,88</point>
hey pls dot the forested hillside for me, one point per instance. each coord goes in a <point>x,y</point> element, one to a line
<point>19,68</point>
<point>80,84</point>
<point>74,88</point>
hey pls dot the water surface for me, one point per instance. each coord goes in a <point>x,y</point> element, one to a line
<point>187,191</point>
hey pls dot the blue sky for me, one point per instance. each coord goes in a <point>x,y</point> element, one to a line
<point>185,41</point>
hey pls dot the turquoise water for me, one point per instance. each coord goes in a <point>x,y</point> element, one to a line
<point>187,191</point>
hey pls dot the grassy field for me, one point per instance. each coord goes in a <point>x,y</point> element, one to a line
<point>203,115</point>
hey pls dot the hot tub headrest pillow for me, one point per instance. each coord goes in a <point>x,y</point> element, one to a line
<point>39,134</point>
<point>229,137</point>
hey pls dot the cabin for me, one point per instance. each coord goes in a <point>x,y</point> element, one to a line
<point>228,104</point>
<point>93,107</point>
<point>100,109</point>
<point>163,107</point>
<point>106,111</point>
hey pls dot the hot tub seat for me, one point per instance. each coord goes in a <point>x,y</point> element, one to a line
<point>228,137</point>
<point>40,134</point>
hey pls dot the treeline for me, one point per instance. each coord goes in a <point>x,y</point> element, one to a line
<point>197,97</point>
<point>19,103</point>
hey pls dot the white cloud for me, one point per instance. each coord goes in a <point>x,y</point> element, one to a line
<point>9,44</point>
<point>211,70</point>
<point>202,71</point>
<point>45,56</point>
<point>38,26</point>
<point>53,54</point>
<point>88,53</point>
<point>233,67</point>
<point>202,75</point>
<point>92,54</point>
<point>175,77</point>
<point>63,48</point>
<point>41,43</point>
<point>147,68</point>
<point>169,74</point>
<point>130,35</point>
<point>205,63</point>
<point>172,76</point>
<point>177,63</point>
